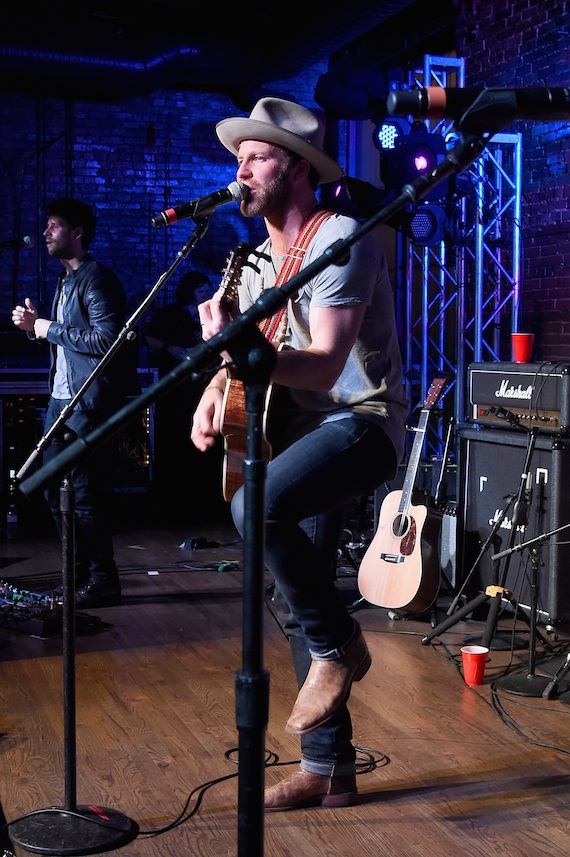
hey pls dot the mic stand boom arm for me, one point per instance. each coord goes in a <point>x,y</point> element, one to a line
<point>522,545</point>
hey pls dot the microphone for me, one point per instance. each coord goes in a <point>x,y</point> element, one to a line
<point>201,207</point>
<point>17,243</point>
<point>534,103</point>
<point>522,506</point>
<point>528,489</point>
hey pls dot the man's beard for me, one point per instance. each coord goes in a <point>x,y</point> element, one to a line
<point>274,196</point>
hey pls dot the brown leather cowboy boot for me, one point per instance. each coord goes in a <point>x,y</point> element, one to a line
<point>327,687</point>
<point>303,789</point>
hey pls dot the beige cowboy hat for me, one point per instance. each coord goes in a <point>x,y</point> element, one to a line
<point>283,123</point>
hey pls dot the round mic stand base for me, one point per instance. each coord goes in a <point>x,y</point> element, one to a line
<point>530,685</point>
<point>85,830</point>
<point>71,829</point>
<point>524,685</point>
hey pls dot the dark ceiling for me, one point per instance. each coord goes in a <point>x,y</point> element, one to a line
<point>109,51</point>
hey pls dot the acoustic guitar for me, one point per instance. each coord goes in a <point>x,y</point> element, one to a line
<point>233,423</point>
<point>400,569</point>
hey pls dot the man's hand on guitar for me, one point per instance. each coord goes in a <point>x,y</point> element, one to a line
<point>214,315</point>
<point>206,420</point>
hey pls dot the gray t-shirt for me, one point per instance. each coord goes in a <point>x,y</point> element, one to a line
<point>60,389</point>
<point>371,383</point>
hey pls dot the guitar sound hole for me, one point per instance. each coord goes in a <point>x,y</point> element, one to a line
<point>401,524</point>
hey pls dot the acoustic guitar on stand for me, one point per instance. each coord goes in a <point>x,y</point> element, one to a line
<point>233,422</point>
<point>400,568</point>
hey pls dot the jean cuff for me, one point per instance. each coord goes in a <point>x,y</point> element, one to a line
<point>341,651</point>
<point>328,769</point>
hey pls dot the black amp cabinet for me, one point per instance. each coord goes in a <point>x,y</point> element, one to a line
<point>491,464</point>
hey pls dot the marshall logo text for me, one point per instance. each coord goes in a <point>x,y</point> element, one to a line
<point>508,391</point>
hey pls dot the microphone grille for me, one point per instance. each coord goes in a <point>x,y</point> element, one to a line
<point>238,191</point>
<point>27,241</point>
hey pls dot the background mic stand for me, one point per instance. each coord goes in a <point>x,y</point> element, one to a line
<point>86,829</point>
<point>496,592</point>
<point>532,685</point>
<point>529,684</point>
<point>497,524</point>
<point>454,616</point>
<point>71,829</point>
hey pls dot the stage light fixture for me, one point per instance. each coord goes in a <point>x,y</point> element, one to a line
<point>424,225</point>
<point>429,224</point>
<point>411,155</point>
<point>387,132</point>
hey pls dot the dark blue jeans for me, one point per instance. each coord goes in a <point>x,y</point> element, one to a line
<point>92,483</point>
<point>307,489</point>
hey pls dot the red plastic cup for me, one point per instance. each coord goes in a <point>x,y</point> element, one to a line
<point>522,347</point>
<point>474,660</point>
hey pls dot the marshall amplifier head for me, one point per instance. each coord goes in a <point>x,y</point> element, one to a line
<point>520,396</point>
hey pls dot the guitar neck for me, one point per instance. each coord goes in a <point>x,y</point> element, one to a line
<point>413,462</point>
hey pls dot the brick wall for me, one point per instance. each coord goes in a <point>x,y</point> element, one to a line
<point>129,160</point>
<point>520,44</point>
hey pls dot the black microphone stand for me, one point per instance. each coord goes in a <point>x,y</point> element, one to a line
<point>248,348</point>
<point>72,829</point>
<point>530,684</point>
<point>453,615</point>
<point>496,592</point>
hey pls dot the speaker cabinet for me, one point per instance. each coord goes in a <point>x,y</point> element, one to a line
<point>491,467</point>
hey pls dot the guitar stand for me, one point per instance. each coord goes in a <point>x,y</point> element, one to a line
<point>71,829</point>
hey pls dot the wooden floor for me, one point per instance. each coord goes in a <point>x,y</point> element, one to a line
<point>445,769</point>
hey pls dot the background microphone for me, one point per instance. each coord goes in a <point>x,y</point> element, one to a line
<point>528,489</point>
<point>534,103</point>
<point>522,506</point>
<point>236,191</point>
<point>17,243</point>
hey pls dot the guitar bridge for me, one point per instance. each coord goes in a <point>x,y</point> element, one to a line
<point>392,557</point>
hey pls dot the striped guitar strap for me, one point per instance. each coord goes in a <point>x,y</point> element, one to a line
<point>274,327</point>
